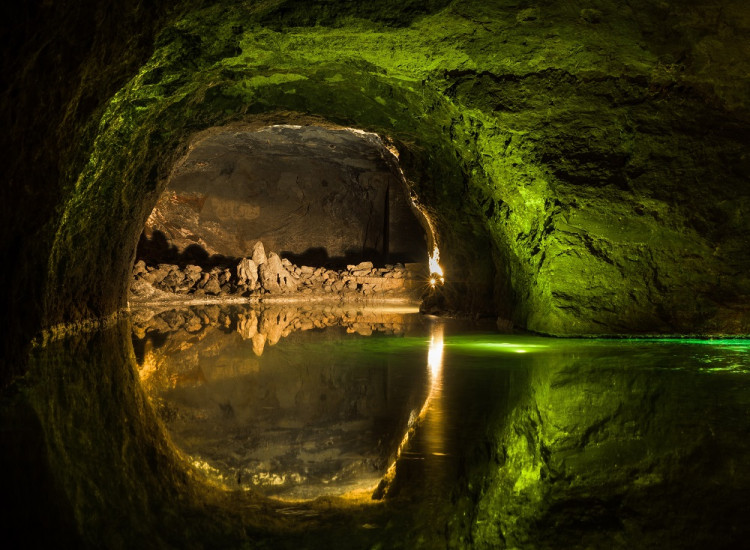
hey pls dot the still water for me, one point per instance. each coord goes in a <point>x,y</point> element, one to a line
<point>449,434</point>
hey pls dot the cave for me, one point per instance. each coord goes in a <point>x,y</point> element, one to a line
<point>330,203</point>
<point>316,195</point>
<point>558,191</point>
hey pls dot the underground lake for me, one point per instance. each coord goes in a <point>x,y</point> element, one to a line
<point>393,274</point>
<point>379,427</point>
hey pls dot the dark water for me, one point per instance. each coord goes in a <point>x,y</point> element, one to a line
<point>480,439</point>
<point>289,427</point>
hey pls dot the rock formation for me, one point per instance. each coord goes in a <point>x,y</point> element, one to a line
<point>247,273</point>
<point>271,275</point>
<point>274,276</point>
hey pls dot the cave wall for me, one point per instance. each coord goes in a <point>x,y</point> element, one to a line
<point>317,196</point>
<point>586,166</point>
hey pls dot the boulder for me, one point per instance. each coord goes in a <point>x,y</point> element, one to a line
<point>274,277</point>
<point>212,286</point>
<point>259,254</point>
<point>156,276</point>
<point>247,272</point>
<point>192,274</point>
<point>362,266</point>
<point>225,276</point>
<point>173,279</point>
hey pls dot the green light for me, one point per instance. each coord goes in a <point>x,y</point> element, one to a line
<point>741,342</point>
<point>485,344</point>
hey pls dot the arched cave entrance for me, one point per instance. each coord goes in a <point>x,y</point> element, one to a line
<point>318,197</point>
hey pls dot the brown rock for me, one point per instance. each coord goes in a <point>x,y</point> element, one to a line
<point>247,272</point>
<point>225,276</point>
<point>212,286</point>
<point>156,276</point>
<point>192,274</point>
<point>259,254</point>
<point>274,277</point>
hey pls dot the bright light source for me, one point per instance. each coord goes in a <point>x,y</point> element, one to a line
<point>435,270</point>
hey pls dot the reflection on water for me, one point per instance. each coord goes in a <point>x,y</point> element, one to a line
<point>432,428</point>
<point>491,441</point>
<point>307,418</point>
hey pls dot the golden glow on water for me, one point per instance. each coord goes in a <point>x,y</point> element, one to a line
<point>434,428</point>
<point>435,355</point>
<point>179,367</point>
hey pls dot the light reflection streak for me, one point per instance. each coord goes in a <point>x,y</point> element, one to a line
<point>431,404</point>
<point>435,355</point>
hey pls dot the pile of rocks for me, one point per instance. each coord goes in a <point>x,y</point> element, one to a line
<point>266,274</point>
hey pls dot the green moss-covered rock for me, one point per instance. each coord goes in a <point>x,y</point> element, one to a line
<point>585,167</point>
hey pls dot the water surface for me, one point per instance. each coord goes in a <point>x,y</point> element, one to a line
<point>466,436</point>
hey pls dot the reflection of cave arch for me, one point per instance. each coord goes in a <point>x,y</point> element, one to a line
<point>269,366</point>
<point>319,195</point>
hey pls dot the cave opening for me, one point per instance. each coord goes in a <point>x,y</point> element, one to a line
<point>331,203</point>
<point>308,212</point>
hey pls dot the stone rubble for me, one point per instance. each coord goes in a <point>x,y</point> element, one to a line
<point>265,274</point>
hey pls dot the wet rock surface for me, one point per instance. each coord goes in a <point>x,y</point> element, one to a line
<point>268,275</point>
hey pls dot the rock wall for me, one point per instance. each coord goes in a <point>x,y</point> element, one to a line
<point>318,196</point>
<point>586,170</point>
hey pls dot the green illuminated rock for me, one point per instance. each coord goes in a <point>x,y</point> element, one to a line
<point>586,168</point>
